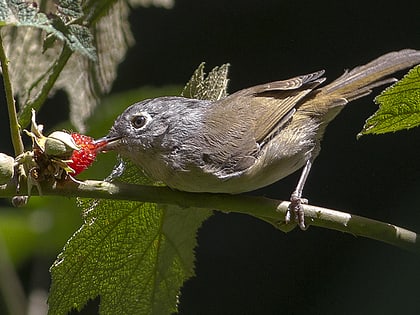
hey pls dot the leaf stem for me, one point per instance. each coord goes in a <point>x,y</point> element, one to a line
<point>11,107</point>
<point>25,114</point>
<point>270,210</point>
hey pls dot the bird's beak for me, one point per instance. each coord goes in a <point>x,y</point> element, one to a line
<point>107,143</point>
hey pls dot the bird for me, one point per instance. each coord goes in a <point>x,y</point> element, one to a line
<point>249,139</point>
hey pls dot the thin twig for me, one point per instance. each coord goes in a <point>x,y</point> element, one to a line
<point>11,107</point>
<point>269,210</point>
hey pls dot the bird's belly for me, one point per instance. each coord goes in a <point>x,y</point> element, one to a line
<point>281,156</point>
<point>269,168</point>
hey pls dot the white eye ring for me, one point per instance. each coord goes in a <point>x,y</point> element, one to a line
<point>140,120</point>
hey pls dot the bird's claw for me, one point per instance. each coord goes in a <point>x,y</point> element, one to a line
<point>295,208</point>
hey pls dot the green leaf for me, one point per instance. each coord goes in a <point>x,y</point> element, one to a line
<point>70,8</point>
<point>80,39</point>
<point>134,255</point>
<point>399,106</point>
<point>23,13</point>
<point>212,87</point>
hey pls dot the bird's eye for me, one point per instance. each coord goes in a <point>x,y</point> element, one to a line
<point>139,121</point>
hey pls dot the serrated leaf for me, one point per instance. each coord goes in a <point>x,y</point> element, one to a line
<point>399,106</point>
<point>134,255</point>
<point>70,8</point>
<point>77,37</point>
<point>23,13</point>
<point>80,39</point>
<point>212,87</point>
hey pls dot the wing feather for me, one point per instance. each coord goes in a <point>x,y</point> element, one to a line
<point>270,103</point>
<point>237,126</point>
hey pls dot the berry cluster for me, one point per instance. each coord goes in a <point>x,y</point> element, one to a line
<point>82,158</point>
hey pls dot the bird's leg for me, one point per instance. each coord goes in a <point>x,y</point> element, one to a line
<point>296,199</point>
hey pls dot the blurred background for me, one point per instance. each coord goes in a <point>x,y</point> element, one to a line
<point>243,265</point>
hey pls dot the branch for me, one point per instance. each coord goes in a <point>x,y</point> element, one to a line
<point>11,108</point>
<point>270,210</point>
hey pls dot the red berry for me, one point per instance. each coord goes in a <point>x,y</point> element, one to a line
<point>81,159</point>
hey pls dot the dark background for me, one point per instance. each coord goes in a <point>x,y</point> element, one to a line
<point>243,265</point>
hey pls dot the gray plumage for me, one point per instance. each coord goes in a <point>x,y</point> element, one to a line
<point>249,139</point>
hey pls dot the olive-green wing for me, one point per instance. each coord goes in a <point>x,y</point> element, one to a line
<point>237,126</point>
<point>272,104</point>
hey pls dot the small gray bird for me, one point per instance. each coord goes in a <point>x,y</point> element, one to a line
<point>249,139</point>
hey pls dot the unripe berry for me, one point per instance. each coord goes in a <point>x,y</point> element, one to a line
<point>7,168</point>
<point>60,144</point>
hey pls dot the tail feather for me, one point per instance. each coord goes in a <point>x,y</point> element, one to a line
<point>359,81</point>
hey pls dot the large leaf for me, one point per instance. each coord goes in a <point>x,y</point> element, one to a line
<point>23,13</point>
<point>212,87</point>
<point>399,106</point>
<point>135,256</point>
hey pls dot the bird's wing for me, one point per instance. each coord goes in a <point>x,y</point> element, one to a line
<point>237,126</point>
<point>272,104</point>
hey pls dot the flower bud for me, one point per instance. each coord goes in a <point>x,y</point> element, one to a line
<point>7,168</point>
<point>60,144</point>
